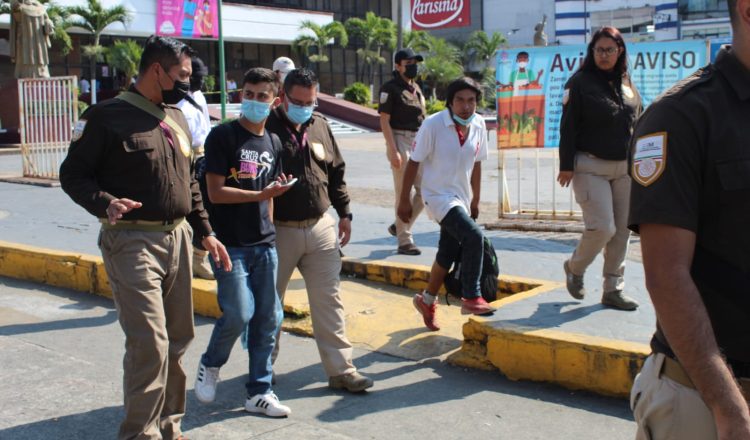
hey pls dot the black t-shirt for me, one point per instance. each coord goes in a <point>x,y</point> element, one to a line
<point>248,162</point>
<point>690,164</point>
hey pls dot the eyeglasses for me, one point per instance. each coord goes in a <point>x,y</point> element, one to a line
<point>300,103</point>
<point>608,51</point>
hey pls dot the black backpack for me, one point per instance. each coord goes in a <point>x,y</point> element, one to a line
<point>487,280</point>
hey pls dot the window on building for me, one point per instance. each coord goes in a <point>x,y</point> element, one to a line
<point>702,9</point>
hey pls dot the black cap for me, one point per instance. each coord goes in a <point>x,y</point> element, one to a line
<point>407,54</point>
<point>199,67</point>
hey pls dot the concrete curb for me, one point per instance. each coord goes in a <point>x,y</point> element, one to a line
<point>574,361</point>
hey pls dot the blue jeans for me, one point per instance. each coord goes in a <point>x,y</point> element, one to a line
<point>461,236</point>
<point>248,299</point>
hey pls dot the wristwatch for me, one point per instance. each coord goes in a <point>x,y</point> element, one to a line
<point>210,234</point>
<point>349,216</point>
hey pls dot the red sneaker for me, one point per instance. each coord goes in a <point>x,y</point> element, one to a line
<point>427,312</point>
<point>476,306</point>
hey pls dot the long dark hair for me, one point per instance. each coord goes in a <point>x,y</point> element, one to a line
<point>621,67</point>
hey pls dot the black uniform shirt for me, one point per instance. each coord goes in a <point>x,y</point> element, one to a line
<point>120,151</point>
<point>249,162</point>
<point>313,157</point>
<point>403,102</point>
<point>691,169</point>
<point>598,117</point>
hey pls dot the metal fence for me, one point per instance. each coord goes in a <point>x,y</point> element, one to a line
<point>528,187</point>
<point>48,111</point>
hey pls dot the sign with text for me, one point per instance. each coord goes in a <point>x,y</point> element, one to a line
<point>531,84</point>
<point>187,18</point>
<point>439,14</point>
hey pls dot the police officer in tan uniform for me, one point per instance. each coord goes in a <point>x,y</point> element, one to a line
<point>690,163</point>
<point>402,110</point>
<point>130,165</point>
<point>306,234</point>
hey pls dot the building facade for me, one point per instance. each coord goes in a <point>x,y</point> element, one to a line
<point>255,33</point>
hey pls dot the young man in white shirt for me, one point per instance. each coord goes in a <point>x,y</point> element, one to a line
<point>195,109</point>
<point>450,146</point>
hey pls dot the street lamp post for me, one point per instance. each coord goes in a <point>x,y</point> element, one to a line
<point>222,69</point>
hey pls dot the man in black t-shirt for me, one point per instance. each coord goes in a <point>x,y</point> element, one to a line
<point>243,174</point>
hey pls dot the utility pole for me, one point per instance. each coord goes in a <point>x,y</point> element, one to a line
<point>400,23</point>
<point>222,69</point>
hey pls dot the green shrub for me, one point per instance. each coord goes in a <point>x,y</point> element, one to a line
<point>209,83</point>
<point>358,93</point>
<point>434,106</point>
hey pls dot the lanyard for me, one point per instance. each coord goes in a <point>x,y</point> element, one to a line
<point>296,142</point>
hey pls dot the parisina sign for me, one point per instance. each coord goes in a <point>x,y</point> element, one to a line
<point>439,14</point>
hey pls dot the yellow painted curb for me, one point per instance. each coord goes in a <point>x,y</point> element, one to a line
<point>415,276</point>
<point>578,362</point>
<point>574,361</point>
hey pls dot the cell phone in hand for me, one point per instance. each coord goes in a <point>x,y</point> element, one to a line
<point>289,182</point>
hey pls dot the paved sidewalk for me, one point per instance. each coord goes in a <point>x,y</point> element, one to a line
<point>62,376</point>
<point>46,217</point>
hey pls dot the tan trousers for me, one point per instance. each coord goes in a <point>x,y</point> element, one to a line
<point>150,274</point>
<point>602,188</point>
<point>404,141</point>
<point>666,410</point>
<point>314,250</point>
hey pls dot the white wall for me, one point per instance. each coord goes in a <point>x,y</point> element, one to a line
<point>242,23</point>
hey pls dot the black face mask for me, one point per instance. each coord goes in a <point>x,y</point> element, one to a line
<point>196,83</point>
<point>411,71</point>
<point>176,94</point>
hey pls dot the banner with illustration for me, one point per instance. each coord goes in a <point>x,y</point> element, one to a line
<point>530,84</point>
<point>187,18</point>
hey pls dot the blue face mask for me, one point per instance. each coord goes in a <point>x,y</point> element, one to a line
<point>255,111</point>
<point>299,114</point>
<point>462,121</point>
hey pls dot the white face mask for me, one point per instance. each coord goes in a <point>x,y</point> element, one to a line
<point>522,64</point>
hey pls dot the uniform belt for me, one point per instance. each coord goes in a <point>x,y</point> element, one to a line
<point>674,371</point>
<point>297,224</point>
<point>142,225</point>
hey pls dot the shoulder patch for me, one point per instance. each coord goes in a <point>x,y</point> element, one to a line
<point>78,130</point>
<point>649,158</point>
<point>566,96</point>
<point>383,97</point>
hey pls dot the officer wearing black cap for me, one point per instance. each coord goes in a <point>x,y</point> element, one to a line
<point>402,110</point>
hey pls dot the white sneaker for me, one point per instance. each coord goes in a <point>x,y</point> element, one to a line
<point>205,383</point>
<point>267,404</point>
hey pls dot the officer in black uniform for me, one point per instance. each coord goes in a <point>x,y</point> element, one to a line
<point>690,163</point>
<point>129,164</point>
<point>402,110</point>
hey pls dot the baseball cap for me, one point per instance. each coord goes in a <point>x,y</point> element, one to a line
<point>407,54</point>
<point>283,65</point>
<point>199,67</point>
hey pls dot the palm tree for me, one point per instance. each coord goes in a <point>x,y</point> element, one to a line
<point>375,33</point>
<point>417,40</point>
<point>94,18</point>
<point>442,64</point>
<point>485,46</point>
<point>321,37</point>
<point>124,56</point>
<point>60,17</point>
